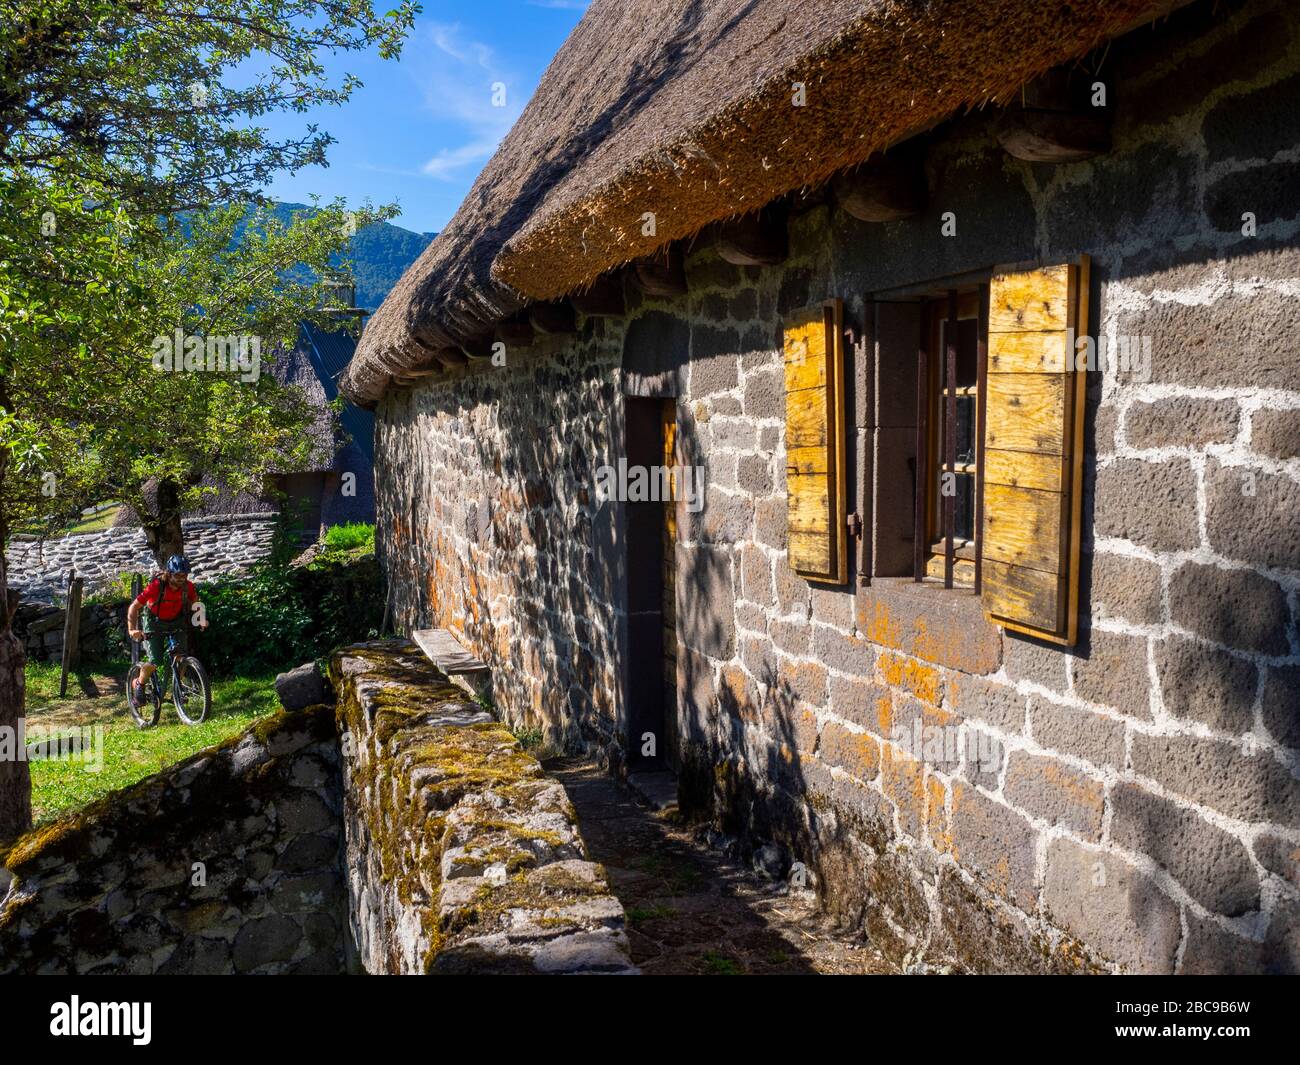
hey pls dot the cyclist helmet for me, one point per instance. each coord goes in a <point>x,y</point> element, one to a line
<point>178,564</point>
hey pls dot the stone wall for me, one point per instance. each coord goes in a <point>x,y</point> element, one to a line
<point>462,856</point>
<point>40,628</point>
<point>1139,805</point>
<point>228,862</point>
<point>216,546</point>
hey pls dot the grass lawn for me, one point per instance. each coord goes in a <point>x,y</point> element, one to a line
<point>130,754</point>
<point>96,520</point>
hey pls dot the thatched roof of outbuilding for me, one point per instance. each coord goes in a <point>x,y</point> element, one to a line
<point>684,108</point>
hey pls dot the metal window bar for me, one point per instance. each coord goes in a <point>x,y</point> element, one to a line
<point>950,440</point>
<point>981,397</point>
<point>922,495</point>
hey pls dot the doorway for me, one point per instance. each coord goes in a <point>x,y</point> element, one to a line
<point>651,439</point>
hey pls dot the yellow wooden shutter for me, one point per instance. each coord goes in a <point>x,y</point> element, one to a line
<point>814,443</point>
<point>1034,450</point>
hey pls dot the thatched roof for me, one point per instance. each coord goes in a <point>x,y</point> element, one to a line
<point>684,108</point>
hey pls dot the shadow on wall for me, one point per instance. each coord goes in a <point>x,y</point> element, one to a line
<point>503,539</point>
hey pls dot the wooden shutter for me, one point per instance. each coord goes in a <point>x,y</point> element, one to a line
<point>814,443</point>
<point>1034,449</point>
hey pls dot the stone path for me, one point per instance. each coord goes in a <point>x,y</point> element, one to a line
<point>690,909</point>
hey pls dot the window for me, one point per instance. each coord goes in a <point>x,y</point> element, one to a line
<point>971,424</point>
<point>956,333</point>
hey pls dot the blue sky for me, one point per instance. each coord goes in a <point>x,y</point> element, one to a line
<point>420,129</point>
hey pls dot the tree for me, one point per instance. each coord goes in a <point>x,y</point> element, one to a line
<point>235,288</point>
<point>112,114</point>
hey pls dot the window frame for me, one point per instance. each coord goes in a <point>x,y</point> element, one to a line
<point>961,303</point>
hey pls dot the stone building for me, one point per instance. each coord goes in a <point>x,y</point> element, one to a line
<point>974,327</point>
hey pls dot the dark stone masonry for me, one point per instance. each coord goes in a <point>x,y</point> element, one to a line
<point>403,831</point>
<point>1138,810</point>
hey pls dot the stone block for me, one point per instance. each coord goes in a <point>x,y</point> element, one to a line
<point>1276,433</point>
<point>1073,730</point>
<point>1281,705</point>
<point>1212,866</point>
<point>1149,503</point>
<point>995,843</point>
<point>1245,787</point>
<point>1054,792</point>
<point>1112,671</point>
<point>1250,515</point>
<point>1238,608</point>
<point>855,752</point>
<point>1203,684</point>
<point>1111,906</point>
<point>1181,421</point>
<point>1126,588</point>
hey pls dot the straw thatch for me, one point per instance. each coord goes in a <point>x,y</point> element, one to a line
<point>684,109</point>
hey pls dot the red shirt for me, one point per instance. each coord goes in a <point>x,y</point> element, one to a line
<point>167,608</point>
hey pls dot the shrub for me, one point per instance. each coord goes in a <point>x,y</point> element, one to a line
<point>279,615</point>
<point>349,536</point>
<point>257,622</point>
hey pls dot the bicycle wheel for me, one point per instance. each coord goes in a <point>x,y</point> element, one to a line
<point>149,709</point>
<point>190,691</point>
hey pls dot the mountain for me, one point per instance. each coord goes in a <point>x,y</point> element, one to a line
<point>380,254</point>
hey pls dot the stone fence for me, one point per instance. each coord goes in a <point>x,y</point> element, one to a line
<point>40,627</point>
<point>463,856</point>
<point>225,863</point>
<point>216,546</point>
<point>426,841</point>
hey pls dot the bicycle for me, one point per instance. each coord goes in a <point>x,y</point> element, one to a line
<point>190,690</point>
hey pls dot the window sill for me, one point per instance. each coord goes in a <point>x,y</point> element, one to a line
<point>927,621</point>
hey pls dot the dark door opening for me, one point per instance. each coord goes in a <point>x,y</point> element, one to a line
<point>651,584</point>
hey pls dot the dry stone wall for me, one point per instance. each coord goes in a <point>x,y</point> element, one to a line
<point>969,797</point>
<point>216,546</point>
<point>228,862</point>
<point>462,856</point>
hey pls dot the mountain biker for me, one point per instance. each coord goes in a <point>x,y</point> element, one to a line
<point>168,602</point>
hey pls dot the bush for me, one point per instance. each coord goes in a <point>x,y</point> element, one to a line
<point>258,622</point>
<point>349,536</point>
<point>279,615</point>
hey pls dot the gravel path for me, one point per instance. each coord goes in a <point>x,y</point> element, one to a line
<point>690,908</point>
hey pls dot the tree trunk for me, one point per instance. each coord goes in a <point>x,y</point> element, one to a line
<point>15,778</point>
<point>162,525</point>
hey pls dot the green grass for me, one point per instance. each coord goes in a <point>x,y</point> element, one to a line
<point>349,536</point>
<point>130,754</point>
<point>721,965</point>
<point>96,520</point>
<point>657,912</point>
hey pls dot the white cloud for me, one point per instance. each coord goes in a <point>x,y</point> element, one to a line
<point>457,77</point>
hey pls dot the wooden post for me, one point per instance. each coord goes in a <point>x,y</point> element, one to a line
<point>71,629</point>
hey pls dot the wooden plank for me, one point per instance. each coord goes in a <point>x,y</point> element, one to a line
<point>1033,300</point>
<point>805,460</point>
<point>833,319</point>
<point>1043,352</point>
<point>1018,597</point>
<point>1022,527</point>
<point>806,419</point>
<point>809,552</point>
<point>1026,412</point>
<point>809,502</point>
<point>963,571</point>
<point>981,419</point>
<point>445,651</point>
<point>1023,469</point>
